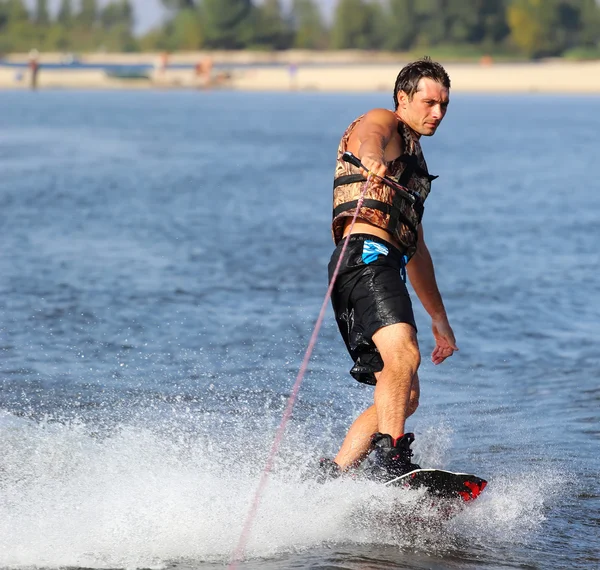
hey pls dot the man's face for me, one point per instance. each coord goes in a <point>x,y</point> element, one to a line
<point>425,111</point>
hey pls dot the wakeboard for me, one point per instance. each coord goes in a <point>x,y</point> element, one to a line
<point>446,485</point>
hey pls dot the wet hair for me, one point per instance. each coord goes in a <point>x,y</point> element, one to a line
<point>410,75</point>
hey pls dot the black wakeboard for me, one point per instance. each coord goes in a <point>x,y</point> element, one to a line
<point>461,487</point>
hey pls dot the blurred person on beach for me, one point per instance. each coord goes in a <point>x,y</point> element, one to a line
<point>161,63</point>
<point>370,299</point>
<point>34,68</point>
<point>203,71</point>
<point>293,73</point>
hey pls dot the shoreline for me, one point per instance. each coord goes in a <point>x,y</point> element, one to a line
<point>291,71</point>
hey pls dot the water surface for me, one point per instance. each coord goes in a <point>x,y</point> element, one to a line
<point>162,266</point>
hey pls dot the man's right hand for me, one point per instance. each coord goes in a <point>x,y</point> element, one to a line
<point>373,165</point>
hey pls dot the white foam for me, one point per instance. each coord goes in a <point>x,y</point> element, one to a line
<point>141,496</point>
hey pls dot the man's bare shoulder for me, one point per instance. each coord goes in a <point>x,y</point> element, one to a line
<point>380,116</point>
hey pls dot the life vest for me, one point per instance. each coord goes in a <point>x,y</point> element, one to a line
<point>382,206</point>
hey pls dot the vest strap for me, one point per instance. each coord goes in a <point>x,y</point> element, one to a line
<point>403,180</point>
<point>390,210</point>
<point>348,179</point>
<point>367,203</point>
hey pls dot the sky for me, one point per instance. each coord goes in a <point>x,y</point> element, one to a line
<point>149,13</point>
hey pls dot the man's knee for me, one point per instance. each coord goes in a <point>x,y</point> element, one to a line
<point>406,359</point>
<point>397,344</point>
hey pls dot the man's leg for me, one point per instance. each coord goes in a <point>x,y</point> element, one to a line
<point>415,393</point>
<point>399,351</point>
<point>357,443</point>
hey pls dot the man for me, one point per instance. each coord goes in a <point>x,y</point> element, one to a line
<point>370,299</point>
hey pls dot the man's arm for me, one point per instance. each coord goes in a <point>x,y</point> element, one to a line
<point>371,138</point>
<point>422,277</point>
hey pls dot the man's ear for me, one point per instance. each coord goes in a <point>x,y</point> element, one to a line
<point>402,98</point>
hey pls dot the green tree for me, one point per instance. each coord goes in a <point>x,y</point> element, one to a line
<point>155,39</point>
<point>272,30</point>
<point>42,17</point>
<point>116,21</point>
<point>179,4</point>
<point>351,25</point>
<point>590,24</point>
<point>3,16</point>
<point>228,23</point>
<point>569,23</point>
<point>462,21</point>
<point>494,24</point>
<point>453,22</point>
<point>41,23</point>
<point>432,18</point>
<point>16,11</point>
<point>310,31</point>
<point>185,30</point>
<point>402,25</point>
<point>540,28</point>
<point>59,37</point>
<point>88,14</point>
<point>116,13</point>
<point>19,33</point>
<point>376,26</point>
<point>65,13</point>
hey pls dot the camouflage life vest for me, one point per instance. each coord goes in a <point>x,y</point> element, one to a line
<point>382,207</point>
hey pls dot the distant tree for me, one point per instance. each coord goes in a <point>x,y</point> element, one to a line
<point>88,14</point>
<point>155,39</point>
<point>65,13</point>
<point>452,22</point>
<point>540,28</point>
<point>590,23</point>
<point>272,29</point>
<point>42,17</point>
<point>3,18</point>
<point>351,25</point>
<point>432,16</point>
<point>110,16</point>
<point>569,24</point>
<point>179,4</point>
<point>19,33</point>
<point>186,31</point>
<point>376,26</point>
<point>403,26</point>
<point>16,11</point>
<point>307,21</point>
<point>116,22</point>
<point>115,13</point>
<point>228,23</point>
<point>462,22</point>
<point>494,24</point>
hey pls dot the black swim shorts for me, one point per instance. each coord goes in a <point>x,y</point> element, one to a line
<point>369,293</point>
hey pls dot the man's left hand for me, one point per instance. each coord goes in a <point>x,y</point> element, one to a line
<point>445,343</point>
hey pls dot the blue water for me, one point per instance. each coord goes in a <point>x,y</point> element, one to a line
<point>162,264</point>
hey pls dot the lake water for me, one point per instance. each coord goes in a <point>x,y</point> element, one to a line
<point>162,265</point>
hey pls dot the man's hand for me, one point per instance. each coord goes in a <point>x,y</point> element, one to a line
<point>445,343</point>
<point>374,164</point>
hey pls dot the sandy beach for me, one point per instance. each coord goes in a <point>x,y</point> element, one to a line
<point>303,71</point>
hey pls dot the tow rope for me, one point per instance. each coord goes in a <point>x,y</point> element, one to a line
<point>243,540</point>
